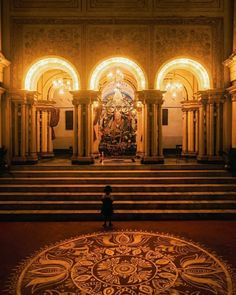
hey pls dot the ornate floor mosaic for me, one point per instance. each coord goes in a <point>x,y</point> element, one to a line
<point>124,263</point>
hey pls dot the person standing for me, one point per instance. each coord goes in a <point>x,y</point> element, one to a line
<point>107,206</point>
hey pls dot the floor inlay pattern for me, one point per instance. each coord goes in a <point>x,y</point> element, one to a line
<point>124,263</point>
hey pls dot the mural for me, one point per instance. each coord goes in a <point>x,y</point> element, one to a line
<point>117,125</point>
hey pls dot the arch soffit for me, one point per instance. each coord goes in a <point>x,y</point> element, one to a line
<point>50,63</point>
<point>190,65</point>
<point>122,62</point>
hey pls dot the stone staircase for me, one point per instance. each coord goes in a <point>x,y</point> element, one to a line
<point>175,191</point>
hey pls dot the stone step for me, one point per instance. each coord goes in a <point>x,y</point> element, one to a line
<point>112,173</point>
<point>155,192</point>
<point>133,196</point>
<point>118,180</point>
<point>117,187</point>
<point>118,166</point>
<point>118,205</point>
<point>171,214</point>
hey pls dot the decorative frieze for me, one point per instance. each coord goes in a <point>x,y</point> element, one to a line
<point>40,4</point>
<point>192,5</point>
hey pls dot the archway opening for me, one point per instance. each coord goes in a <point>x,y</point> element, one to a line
<point>53,78</point>
<point>115,118</point>
<point>55,107</point>
<point>180,86</point>
<point>181,79</point>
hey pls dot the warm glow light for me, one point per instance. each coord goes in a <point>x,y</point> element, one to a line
<point>117,61</point>
<point>187,64</point>
<point>96,104</point>
<point>46,64</point>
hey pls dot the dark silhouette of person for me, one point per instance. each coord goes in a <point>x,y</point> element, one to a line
<point>107,206</point>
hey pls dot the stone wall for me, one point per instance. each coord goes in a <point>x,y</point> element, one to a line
<point>150,32</point>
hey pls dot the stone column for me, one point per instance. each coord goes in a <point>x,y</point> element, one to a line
<point>44,132</point>
<point>152,100</point>
<point>2,90</point>
<point>185,132</point>
<point>202,99</point>
<point>215,134</point>
<point>196,118</point>
<point>190,132</point>
<point>232,91</point>
<point>33,133</point>
<point>83,126</point>
<point>38,128</point>
<point>140,123</point>
<point>3,63</point>
<point>19,102</point>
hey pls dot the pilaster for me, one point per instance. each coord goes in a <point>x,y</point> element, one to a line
<point>83,127</point>
<point>152,100</point>
<point>24,131</point>
<point>2,90</point>
<point>190,110</point>
<point>3,63</point>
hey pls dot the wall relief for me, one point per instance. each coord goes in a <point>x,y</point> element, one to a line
<point>61,40</point>
<point>124,40</point>
<point>202,42</point>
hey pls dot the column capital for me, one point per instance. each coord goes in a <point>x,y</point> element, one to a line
<point>231,64</point>
<point>216,95</point>
<point>84,96</point>
<point>3,63</point>
<point>202,97</point>
<point>150,96</point>
<point>190,105</point>
<point>2,90</point>
<point>25,96</point>
<point>232,92</point>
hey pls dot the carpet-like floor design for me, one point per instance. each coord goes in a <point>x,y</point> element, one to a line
<point>124,263</point>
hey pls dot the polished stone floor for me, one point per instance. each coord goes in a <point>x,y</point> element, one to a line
<point>21,240</point>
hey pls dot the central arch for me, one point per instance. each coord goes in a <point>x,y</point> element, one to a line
<point>48,63</point>
<point>130,65</point>
<point>192,66</point>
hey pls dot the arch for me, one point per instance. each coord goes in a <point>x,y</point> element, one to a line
<point>130,65</point>
<point>193,66</point>
<point>49,63</point>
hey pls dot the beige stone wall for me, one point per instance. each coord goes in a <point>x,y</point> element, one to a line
<point>150,43</point>
<point>85,32</point>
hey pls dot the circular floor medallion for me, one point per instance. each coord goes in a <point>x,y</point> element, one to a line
<point>123,263</point>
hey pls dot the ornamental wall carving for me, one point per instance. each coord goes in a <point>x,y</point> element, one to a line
<point>123,40</point>
<point>86,42</point>
<point>36,41</point>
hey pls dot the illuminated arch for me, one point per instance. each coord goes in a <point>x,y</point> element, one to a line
<point>50,63</point>
<point>122,62</point>
<point>190,65</point>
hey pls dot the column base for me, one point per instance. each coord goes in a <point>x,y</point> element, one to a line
<point>32,159</point>
<point>188,154</point>
<point>19,160</point>
<point>215,159</point>
<point>232,161</point>
<point>152,160</point>
<point>82,160</point>
<point>210,159</point>
<point>47,155</point>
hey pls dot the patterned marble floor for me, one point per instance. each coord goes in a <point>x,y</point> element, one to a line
<point>124,262</point>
